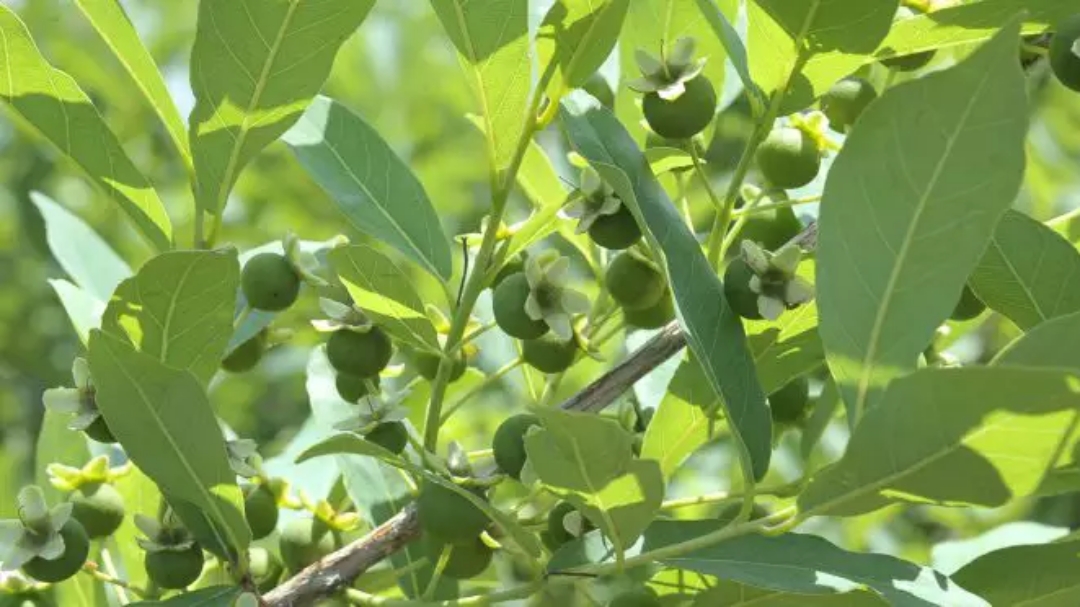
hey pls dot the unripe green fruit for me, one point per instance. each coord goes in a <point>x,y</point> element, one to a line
<point>99,431</point>
<point>556,525</point>
<point>508,304</point>
<point>740,297</point>
<point>652,318</point>
<point>684,117</point>
<point>304,541</point>
<point>511,267</point>
<point>266,569</point>
<point>466,560</point>
<point>969,306</point>
<point>98,507</point>
<point>174,569</point>
<point>1064,58</point>
<point>770,229</point>
<point>908,63</point>
<point>640,597</point>
<point>845,101</point>
<point>360,354</point>
<point>427,365</point>
<point>788,405</point>
<point>245,356</point>
<point>634,283</point>
<point>269,282</point>
<point>508,443</point>
<point>549,354</point>
<point>76,549</point>
<point>392,436</point>
<point>617,231</point>
<point>260,510</point>
<point>447,516</point>
<point>352,388</point>
<point>599,88</point>
<point>788,158</point>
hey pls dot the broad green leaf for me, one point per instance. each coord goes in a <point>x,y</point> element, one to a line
<point>255,66</point>
<point>114,27</point>
<point>57,444</point>
<point>789,346</point>
<point>492,40</point>
<point>825,409</point>
<point>972,436</point>
<point>713,331</point>
<point>910,205</point>
<point>385,292</point>
<point>215,596</point>
<point>587,460</point>
<point>726,33</point>
<point>83,310</point>
<point>51,102</point>
<point>141,496</point>
<point>375,190</point>
<point>1029,273</point>
<point>577,36</point>
<point>162,417</point>
<point>680,425</point>
<point>730,594</point>
<point>812,43</point>
<point>178,308</point>
<point>86,258</point>
<point>1048,571</point>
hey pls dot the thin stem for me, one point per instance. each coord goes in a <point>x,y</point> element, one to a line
<point>488,381</point>
<point>733,233</point>
<point>699,169</point>
<point>474,335</point>
<point>91,568</point>
<point>780,204</point>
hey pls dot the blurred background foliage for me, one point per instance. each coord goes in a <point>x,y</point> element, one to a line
<point>401,74</point>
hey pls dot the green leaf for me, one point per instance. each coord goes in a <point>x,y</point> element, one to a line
<point>52,102</point>
<point>255,66</point>
<point>375,190</point>
<point>979,436</point>
<point>733,44</point>
<point>824,410</point>
<point>141,496</point>
<point>1029,273</point>
<point>577,36</point>
<point>178,308</point>
<point>492,39</point>
<point>713,331</point>
<point>57,444</point>
<point>680,425</point>
<point>541,186</point>
<point>730,594</point>
<point>83,310</point>
<point>215,596</point>
<point>1049,572</point>
<point>910,204</point>
<point>162,417</point>
<point>385,292</point>
<point>789,346</point>
<point>86,258</point>
<point>112,24</point>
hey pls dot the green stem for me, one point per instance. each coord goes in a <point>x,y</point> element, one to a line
<point>521,592</point>
<point>733,233</point>
<point>90,568</point>
<point>780,204</point>
<point>199,222</point>
<point>488,381</point>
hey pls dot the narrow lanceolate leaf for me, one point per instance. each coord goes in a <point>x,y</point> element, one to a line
<point>681,424</point>
<point>114,27</point>
<point>492,39</point>
<point>577,36</point>
<point>1049,572</point>
<point>375,190</point>
<point>162,417</point>
<point>972,436</point>
<point>1029,273</point>
<point>714,332</point>
<point>51,102</point>
<point>255,66</point>
<point>384,291</point>
<point>726,33</point>
<point>178,309</point>
<point>909,207</point>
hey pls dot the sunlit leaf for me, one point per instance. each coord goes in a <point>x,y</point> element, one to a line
<point>84,311</point>
<point>578,35</point>
<point>1049,571</point>
<point>789,346</point>
<point>681,424</point>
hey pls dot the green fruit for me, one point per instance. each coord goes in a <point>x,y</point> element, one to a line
<point>304,541</point>
<point>788,158</point>
<point>634,283</point>
<point>639,597</point>
<point>684,117</point>
<point>76,549</point>
<point>770,229</point>
<point>447,516</point>
<point>508,304</point>
<point>260,510</point>
<point>845,102</point>
<point>392,436</point>
<point>599,88</point>
<point>908,63</point>
<point>362,354</point>
<point>427,365</point>
<point>269,282</point>
<point>549,354</point>
<point>266,569</point>
<point>245,356</point>
<point>508,443</point>
<point>511,267</point>
<point>98,507</point>
<point>352,388</point>
<point>788,405</point>
<point>1065,52</point>
<point>557,532</point>
<point>652,318</point>
<point>969,305</point>
<point>617,231</point>
<point>466,560</point>
<point>174,569</point>
<point>99,431</point>
<point>740,297</point>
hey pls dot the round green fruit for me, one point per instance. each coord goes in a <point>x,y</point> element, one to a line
<point>639,597</point>
<point>99,431</point>
<point>269,282</point>
<point>362,354</point>
<point>845,102</point>
<point>740,297</point>
<point>266,569</point>
<point>770,229</point>
<point>599,88</point>
<point>1065,52</point>
<point>511,267</point>
<point>788,158</point>
<point>352,388</point>
<point>245,356</point>
<point>447,516</point>
<point>685,116</point>
<point>508,443</point>
<point>427,365</point>
<point>556,531</point>
<point>634,283</point>
<point>260,510</point>
<point>617,231</point>
<point>466,560</point>
<point>76,549</point>
<point>549,354</point>
<point>508,304</point>
<point>652,318</point>
<point>969,306</point>
<point>304,541</point>
<point>788,405</point>
<point>174,569</point>
<point>392,436</point>
<point>98,507</point>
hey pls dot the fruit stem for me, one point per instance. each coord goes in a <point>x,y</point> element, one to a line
<point>488,381</point>
<point>733,233</point>
<point>122,586</point>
